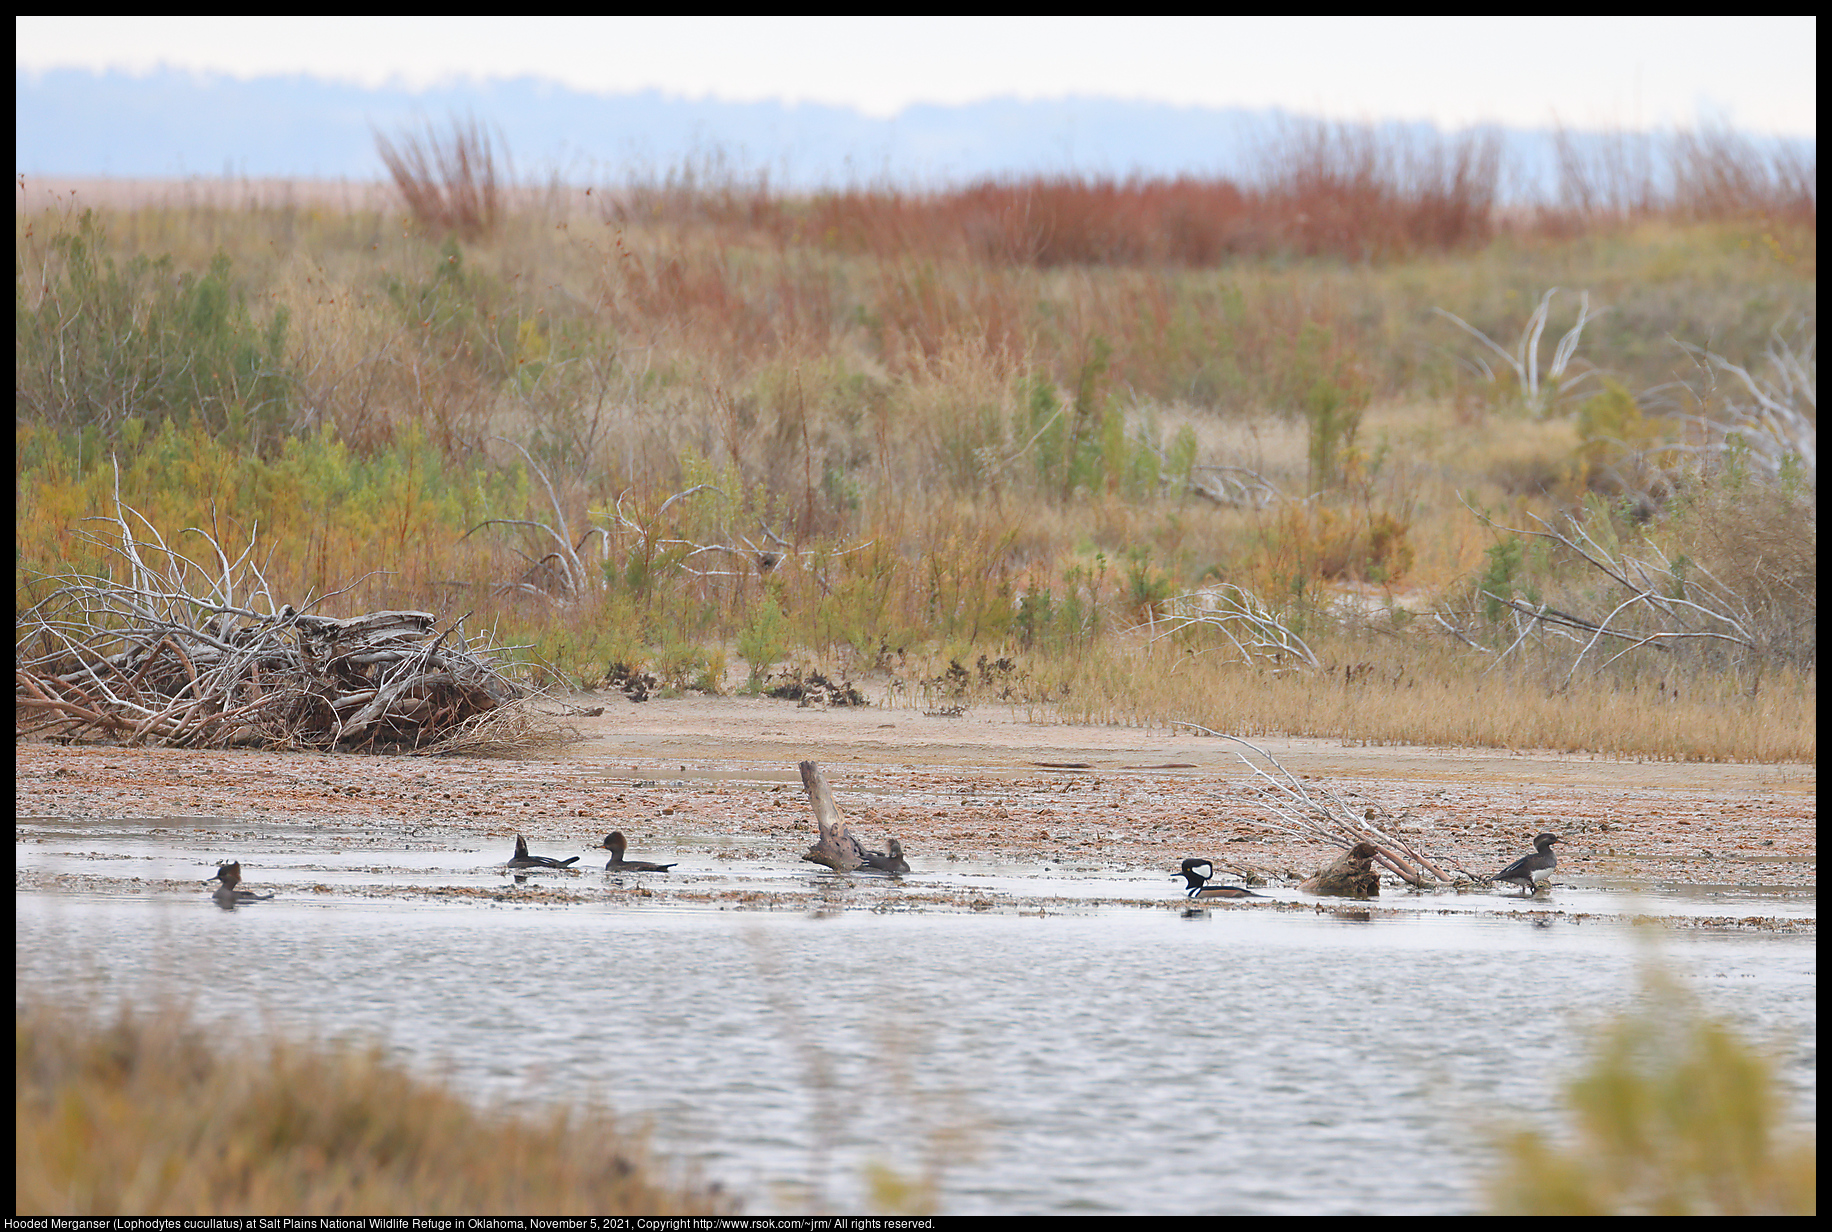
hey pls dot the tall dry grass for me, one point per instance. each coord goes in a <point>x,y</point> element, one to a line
<point>450,181</point>
<point>1704,175</point>
<point>1405,690</point>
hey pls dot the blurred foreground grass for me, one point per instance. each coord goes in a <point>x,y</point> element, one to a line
<point>1674,1115</point>
<point>147,1115</point>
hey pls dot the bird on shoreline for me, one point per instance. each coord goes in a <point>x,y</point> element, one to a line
<point>1530,871</point>
<point>226,895</point>
<point>521,858</point>
<point>1198,872</point>
<point>614,842</point>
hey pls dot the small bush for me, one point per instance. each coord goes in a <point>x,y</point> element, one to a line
<point>763,642</point>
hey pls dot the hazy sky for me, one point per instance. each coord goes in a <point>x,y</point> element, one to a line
<point>1756,73</point>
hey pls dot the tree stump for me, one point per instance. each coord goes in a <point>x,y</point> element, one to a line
<point>837,848</point>
<point>1351,876</point>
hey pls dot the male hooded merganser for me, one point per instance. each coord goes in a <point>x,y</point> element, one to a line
<point>1197,872</point>
<point>226,895</point>
<point>521,858</point>
<point>1529,871</point>
<point>892,863</point>
<point>614,843</point>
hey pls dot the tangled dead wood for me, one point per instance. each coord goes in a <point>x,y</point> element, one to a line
<point>1659,604</point>
<point>1252,630</point>
<point>196,653</point>
<point>1296,810</point>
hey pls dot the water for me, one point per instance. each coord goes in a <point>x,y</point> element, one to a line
<point>1091,1060</point>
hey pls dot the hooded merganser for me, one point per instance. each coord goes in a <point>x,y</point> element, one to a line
<point>521,858</point>
<point>893,862</point>
<point>1530,871</point>
<point>1197,872</point>
<point>614,843</point>
<point>226,895</point>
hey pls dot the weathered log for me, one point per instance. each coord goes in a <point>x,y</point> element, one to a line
<point>1351,876</point>
<point>837,848</point>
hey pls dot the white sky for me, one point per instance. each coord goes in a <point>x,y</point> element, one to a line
<point>1756,73</point>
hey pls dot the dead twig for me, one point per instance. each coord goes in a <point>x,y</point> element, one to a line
<point>1249,626</point>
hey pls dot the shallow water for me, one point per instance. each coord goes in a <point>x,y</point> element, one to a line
<point>1096,1059</point>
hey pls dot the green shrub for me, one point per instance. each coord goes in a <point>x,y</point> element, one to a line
<point>763,641</point>
<point>117,346</point>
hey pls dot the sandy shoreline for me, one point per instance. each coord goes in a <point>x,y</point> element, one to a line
<point>700,778</point>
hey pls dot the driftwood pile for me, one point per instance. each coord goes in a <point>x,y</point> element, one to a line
<point>1327,817</point>
<point>188,654</point>
<point>286,680</point>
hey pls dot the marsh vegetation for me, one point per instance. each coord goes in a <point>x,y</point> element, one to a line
<point>1321,452</point>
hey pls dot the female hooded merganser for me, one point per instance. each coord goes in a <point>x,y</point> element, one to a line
<point>614,843</point>
<point>1197,872</point>
<point>1529,871</point>
<point>893,863</point>
<point>226,895</point>
<point>521,858</point>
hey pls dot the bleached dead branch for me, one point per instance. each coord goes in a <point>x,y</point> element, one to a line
<point>1249,626</point>
<point>1537,392</point>
<point>560,573</point>
<point>562,577</point>
<point>1771,414</point>
<point>1235,487</point>
<point>1659,604</point>
<point>1328,818</point>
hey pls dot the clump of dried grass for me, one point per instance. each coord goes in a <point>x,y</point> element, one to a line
<point>450,180</point>
<point>515,729</point>
<point>148,1114</point>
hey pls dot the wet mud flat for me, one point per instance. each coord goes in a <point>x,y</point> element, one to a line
<point>996,813</point>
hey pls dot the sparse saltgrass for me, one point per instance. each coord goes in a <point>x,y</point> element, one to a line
<point>149,1113</point>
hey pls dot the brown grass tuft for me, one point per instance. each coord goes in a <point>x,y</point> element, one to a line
<point>450,181</point>
<point>148,1114</point>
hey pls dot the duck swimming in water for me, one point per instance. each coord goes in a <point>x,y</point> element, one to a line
<point>892,863</point>
<point>521,858</point>
<point>226,895</point>
<point>614,842</point>
<point>1197,872</point>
